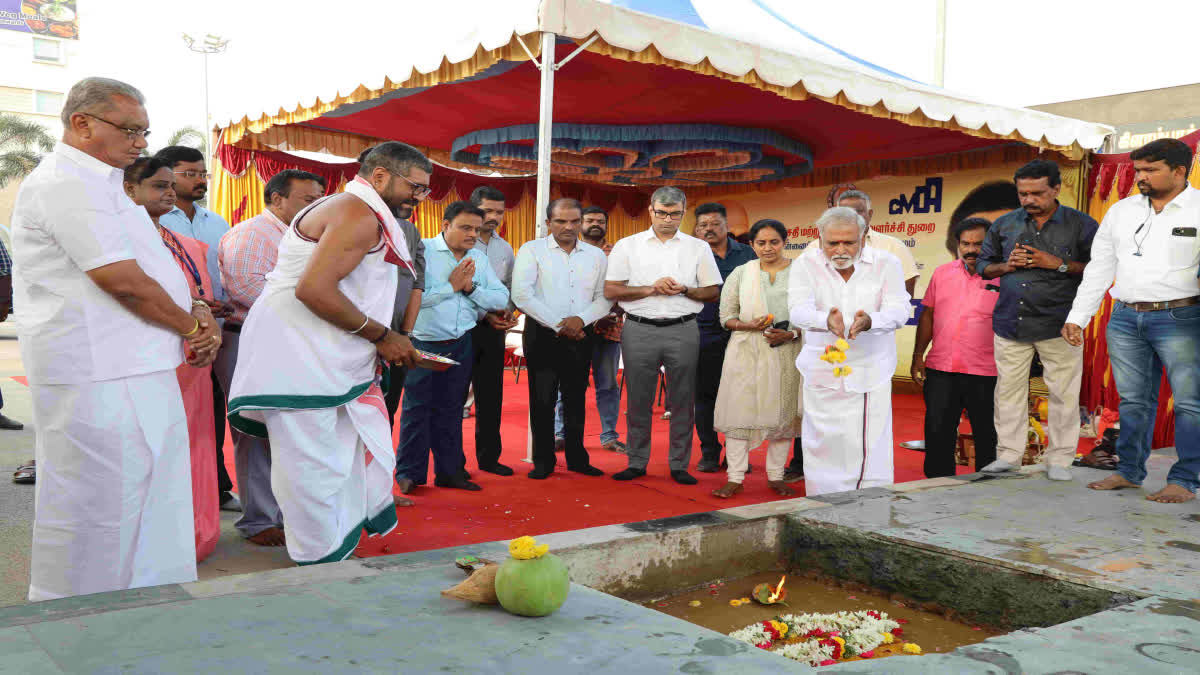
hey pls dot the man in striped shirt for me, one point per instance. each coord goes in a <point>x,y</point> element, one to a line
<point>247,253</point>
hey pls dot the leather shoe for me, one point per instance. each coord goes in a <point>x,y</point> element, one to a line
<point>231,504</point>
<point>684,478</point>
<point>10,424</point>
<point>708,466</point>
<point>629,474</point>
<point>498,469</point>
<point>587,470</point>
<point>1058,473</point>
<point>406,485</point>
<point>458,483</point>
<point>540,473</point>
<point>999,466</point>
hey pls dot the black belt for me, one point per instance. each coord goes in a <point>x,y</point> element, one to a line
<point>660,323</point>
<point>233,327</point>
<point>1164,304</point>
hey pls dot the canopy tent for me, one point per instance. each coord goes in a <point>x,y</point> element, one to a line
<point>641,100</point>
<point>1110,180</point>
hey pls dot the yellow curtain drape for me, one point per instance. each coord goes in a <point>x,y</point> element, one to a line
<point>235,198</point>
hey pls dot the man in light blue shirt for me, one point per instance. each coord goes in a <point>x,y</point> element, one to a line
<point>558,281</point>
<point>459,283</point>
<point>197,222</point>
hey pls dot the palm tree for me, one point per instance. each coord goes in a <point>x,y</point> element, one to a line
<point>22,144</point>
<point>189,136</point>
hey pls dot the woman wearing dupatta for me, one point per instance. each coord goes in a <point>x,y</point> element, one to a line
<point>759,395</point>
<point>150,183</point>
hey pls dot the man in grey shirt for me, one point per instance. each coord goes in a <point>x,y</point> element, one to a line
<point>409,289</point>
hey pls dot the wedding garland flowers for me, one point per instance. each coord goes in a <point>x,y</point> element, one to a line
<point>825,639</point>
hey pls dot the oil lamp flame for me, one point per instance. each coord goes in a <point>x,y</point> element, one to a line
<point>778,590</point>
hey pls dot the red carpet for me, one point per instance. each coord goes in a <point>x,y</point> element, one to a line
<point>509,507</point>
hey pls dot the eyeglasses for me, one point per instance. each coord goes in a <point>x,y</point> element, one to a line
<point>419,191</point>
<point>129,133</point>
<point>192,174</point>
<point>668,215</point>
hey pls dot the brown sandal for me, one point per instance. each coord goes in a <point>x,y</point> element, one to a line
<point>26,474</point>
<point>727,490</point>
<point>781,488</point>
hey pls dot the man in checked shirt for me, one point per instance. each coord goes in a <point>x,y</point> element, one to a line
<point>247,253</point>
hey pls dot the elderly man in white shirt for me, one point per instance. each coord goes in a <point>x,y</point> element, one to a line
<point>861,203</point>
<point>103,308</point>
<point>558,281</point>
<point>843,289</point>
<point>1148,250</point>
<point>662,278</point>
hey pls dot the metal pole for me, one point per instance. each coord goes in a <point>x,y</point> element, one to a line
<point>204,130</point>
<point>939,42</point>
<point>545,131</point>
<point>545,127</point>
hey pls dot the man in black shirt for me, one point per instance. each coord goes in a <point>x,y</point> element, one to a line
<point>1038,252</point>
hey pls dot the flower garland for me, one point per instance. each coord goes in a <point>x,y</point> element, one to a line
<point>836,353</point>
<point>825,639</point>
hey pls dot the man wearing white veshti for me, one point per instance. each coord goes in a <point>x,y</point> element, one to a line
<point>843,289</point>
<point>102,308</point>
<point>312,352</point>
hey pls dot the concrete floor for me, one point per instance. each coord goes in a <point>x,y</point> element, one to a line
<point>234,555</point>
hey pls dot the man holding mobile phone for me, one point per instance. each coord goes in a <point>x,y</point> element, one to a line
<point>1038,252</point>
<point>1148,250</point>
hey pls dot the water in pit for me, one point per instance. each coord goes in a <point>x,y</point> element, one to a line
<point>933,631</point>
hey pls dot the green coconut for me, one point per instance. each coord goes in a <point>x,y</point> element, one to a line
<point>534,587</point>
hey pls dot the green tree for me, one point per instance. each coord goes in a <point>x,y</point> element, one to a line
<point>189,136</point>
<point>22,144</point>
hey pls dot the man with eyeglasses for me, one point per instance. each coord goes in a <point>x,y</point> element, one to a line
<point>197,222</point>
<point>312,354</point>
<point>103,308</point>
<point>662,278</point>
<point>487,339</point>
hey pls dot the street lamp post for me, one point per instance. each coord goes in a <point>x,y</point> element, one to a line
<point>211,44</point>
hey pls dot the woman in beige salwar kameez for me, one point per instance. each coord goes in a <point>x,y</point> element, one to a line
<point>759,395</point>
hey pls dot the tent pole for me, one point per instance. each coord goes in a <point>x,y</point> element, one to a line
<point>545,126</point>
<point>545,122</point>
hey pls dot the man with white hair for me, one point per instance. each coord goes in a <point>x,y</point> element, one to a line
<point>105,315</point>
<point>845,294</point>
<point>861,203</point>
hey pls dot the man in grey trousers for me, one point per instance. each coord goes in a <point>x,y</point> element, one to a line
<point>661,278</point>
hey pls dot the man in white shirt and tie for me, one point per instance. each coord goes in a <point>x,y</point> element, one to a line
<point>1148,249</point>
<point>558,281</point>
<point>662,278</point>
<point>843,289</point>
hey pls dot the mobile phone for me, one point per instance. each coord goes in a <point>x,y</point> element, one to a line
<point>781,325</point>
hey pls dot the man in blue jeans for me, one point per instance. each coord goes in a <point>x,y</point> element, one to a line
<point>459,283</point>
<point>606,351</point>
<point>1148,249</point>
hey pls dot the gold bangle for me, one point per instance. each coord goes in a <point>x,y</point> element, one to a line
<point>193,330</point>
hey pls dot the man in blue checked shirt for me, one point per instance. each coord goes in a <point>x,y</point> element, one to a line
<point>459,283</point>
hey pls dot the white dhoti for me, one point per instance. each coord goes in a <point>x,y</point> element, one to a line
<point>113,504</point>
<point>327,492</point>
<point>847,439</point>
<point>313,389</point>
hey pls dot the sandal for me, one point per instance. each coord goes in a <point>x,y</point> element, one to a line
<point>727,490</point>
<point>781,488</point>
<point>26,474</point>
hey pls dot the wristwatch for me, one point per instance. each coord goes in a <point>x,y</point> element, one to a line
<point>1063,267</point>
<point>468,291</point>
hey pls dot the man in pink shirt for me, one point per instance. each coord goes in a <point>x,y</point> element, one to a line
<point>960,371</point>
